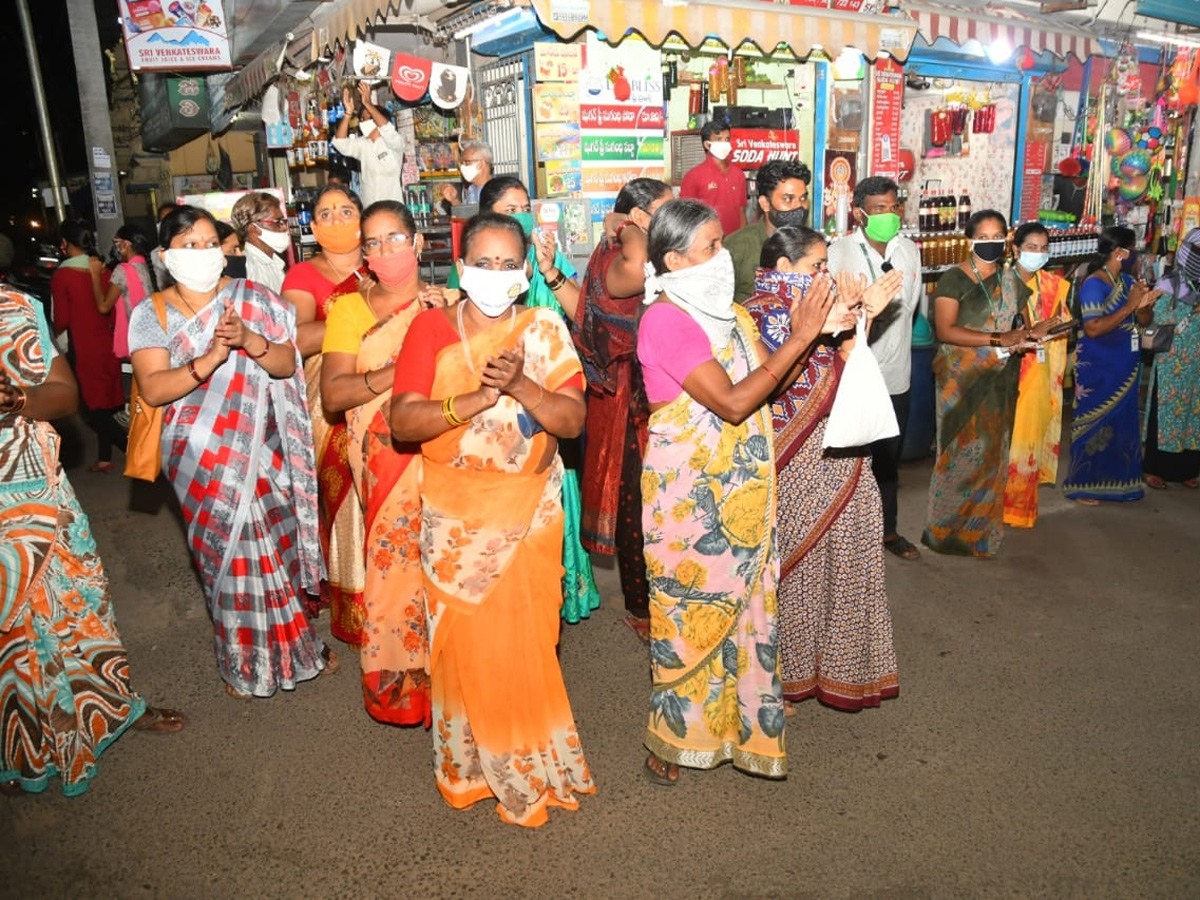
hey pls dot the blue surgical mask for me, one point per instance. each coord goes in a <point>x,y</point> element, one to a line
<point>1031,261</point>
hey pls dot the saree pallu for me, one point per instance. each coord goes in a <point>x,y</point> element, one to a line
<point>64,679</point>
<point>491,550</point>
<point>708,494</point>
<point>343,532</point>
<point>1037,423</point>
<point>835,629</point>
<point>238,451</point>
<point>395,641</point>
<point>976,393</point>
<point>1106,445</point>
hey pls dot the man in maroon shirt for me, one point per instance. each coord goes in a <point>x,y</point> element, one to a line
<point>716,182</point>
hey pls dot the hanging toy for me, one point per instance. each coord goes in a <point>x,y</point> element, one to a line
<point>1135,163</point>
<point>1131,189</point>
<point>1118,142</point>
<point>1154,192</point>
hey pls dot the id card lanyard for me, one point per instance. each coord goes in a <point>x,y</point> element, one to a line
<point>1001,352</point>
<point>1037,287</point>
<point>1135,345</point>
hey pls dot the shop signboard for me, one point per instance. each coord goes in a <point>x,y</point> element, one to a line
<point>754,146</point>
<point>887,98</point>
<point>557,140</point>
<point>563,177</point>
<point>556,102</point>
<point>174,110</point>
<point>175,35</point>
<point>553,61</point>
<point>621,114</point>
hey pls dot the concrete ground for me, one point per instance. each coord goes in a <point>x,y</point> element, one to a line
<point>1045,744</point>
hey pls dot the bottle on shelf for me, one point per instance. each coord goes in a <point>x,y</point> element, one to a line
<point>964,209</point>
<point>923,213</point>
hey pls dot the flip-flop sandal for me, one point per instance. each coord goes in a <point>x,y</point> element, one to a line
<point>1191,484</point>
<point>1154,482</point>
<point>11,788</point>
<point>159,720</point>
<point>236,694</point>
<point>1087,501</point>
<point>663,778</point>
<point>102,467</point>
<point>333,665</point>
<point>902,547</point>
<point>639,626</point>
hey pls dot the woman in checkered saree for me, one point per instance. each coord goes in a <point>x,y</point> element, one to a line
<point>237,447</point>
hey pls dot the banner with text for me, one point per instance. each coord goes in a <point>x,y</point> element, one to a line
<point>177,35</point>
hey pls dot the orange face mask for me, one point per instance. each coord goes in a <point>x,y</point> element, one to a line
<point>337,237</point>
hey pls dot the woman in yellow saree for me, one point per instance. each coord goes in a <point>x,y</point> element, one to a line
<point>1037,428</point>
<point>487,388</point>
<point>363,335</point>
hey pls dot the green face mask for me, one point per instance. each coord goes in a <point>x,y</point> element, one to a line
<point>882,227</point>
<point>526,220</point>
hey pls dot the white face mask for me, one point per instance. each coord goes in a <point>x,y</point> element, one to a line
<point>493,290</point>
<point>276,240</point>
<point>720,149</point>
<point>1032,262</point>
<point>196,270</point>
<point>367,128</point>
<point>470,171</point>
<point>704,291</point>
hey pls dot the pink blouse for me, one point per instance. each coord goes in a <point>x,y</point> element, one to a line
<point>670,345</point>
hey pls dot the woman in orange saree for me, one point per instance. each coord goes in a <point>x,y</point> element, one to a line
<point>363,335</point>
<point>314,288</point>
<point>487,400</point>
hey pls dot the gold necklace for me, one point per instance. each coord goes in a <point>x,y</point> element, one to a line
<point>336,271</point>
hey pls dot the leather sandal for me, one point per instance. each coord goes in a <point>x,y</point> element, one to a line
<point>661,772</point>
<point>332,664</point>
<point>1155,482</point>
<point>902,547</point>
<point>160,720</point>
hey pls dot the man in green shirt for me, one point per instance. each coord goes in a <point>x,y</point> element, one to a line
<point>782,186</point>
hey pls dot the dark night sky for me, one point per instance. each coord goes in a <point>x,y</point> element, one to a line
<point>25,164</point>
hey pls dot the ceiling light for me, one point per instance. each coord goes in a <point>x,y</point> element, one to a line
<point>999,51</point>
<point>1175,40</point>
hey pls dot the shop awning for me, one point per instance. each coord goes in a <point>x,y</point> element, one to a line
<point>1020,29</point>
<point>732,22</point>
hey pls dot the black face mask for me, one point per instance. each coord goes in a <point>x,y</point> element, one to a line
<point>783,218</point>
<point>989,251</point>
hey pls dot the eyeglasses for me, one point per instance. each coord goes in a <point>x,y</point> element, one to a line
<point>330,214</point>
<point>273,224</point>
<point>393,241</point>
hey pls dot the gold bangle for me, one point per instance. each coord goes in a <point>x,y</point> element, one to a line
<point>541,397</point>
<point>449,415</point>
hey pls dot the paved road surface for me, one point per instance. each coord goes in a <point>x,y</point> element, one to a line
<point>1046,743</point>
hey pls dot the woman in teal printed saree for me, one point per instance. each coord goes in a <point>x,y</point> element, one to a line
<point>64,678</point>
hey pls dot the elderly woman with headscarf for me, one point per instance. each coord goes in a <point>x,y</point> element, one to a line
<point>1173,423</point>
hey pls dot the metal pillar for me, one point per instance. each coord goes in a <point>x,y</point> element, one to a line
<point>97,126</point>
<point>43,114</point>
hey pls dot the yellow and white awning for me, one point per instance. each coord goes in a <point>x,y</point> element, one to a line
<point>733,22</point>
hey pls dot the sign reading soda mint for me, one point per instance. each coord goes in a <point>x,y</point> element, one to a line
<point>754,146</point>
<point>178,35</point>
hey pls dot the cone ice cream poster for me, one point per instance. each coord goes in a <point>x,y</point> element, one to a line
<point>620,114</point>
<point>176,35</point>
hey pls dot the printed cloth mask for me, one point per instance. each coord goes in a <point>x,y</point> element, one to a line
<point>196,270</point>
<point>783,218</point>
<point>989,251</point>
<point>526,220</point>
<point>705,292</point>
<point>337,237</point>
<point>1031,261</point>
<point>720,149</point>
<point>1187,257</point>
<point>276,240</point>
<point>493,290</point>
<point>882,227</point>
<point>469,171</point>
<point>394,268</point>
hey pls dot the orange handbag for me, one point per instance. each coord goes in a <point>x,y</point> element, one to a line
<point>143,450</point>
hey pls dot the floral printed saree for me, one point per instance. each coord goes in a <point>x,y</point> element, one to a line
<point>395,643</point>
<point>708,494</point>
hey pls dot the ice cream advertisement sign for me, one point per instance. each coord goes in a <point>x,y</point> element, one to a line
<point>176,35</point>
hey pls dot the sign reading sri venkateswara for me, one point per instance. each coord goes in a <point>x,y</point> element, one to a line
<point>178,35</point>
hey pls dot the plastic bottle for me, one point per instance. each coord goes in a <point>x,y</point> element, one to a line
<point>964,209</point>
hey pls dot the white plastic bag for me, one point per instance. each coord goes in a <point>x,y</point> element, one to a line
<point>862,410</point>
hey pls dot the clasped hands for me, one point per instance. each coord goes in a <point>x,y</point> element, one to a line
<point>505,374</point>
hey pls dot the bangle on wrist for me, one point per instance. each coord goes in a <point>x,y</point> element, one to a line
<point>367,382</point>
<point>994,339</point>
<point>449,415</point>
<point>18,402</point>
<point>557,282</point>
<point>265,350</point>
<point>541,397</point>
<point>774,377</point>
<point>191,367</point>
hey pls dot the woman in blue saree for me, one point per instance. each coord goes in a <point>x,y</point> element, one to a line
<point>1106,445</point>
<point>237,448</point>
